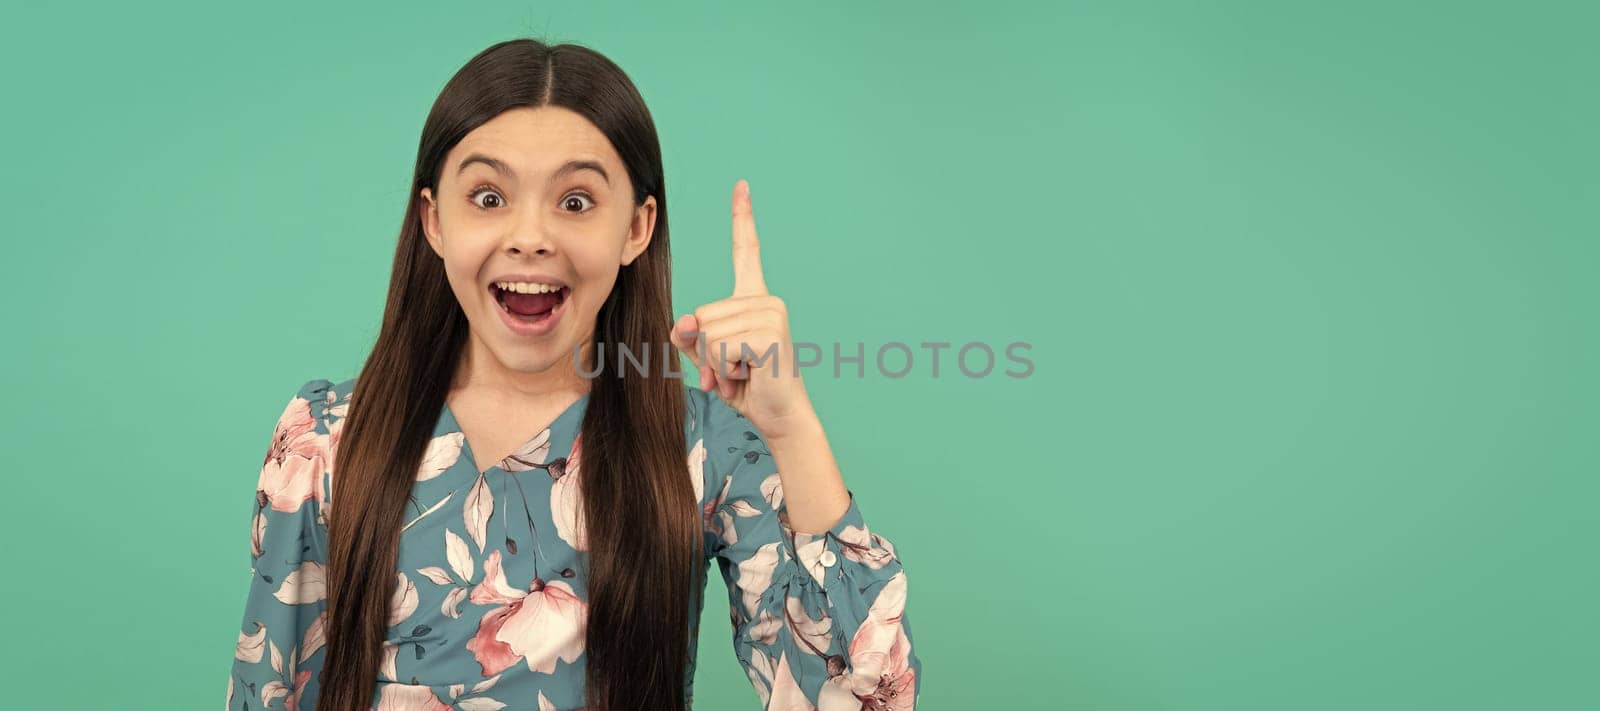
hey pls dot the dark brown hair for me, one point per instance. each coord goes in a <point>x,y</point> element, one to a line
<point>641,520</point>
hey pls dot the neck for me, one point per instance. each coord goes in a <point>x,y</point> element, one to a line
<point>480,370</point>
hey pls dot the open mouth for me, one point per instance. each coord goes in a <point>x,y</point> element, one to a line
<point>529,304</point>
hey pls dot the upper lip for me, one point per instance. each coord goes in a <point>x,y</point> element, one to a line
<point>530,278</point>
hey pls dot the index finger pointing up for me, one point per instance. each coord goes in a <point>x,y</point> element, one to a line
<point>747,277</point>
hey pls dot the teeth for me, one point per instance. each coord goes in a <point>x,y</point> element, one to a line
<point>523,287</point>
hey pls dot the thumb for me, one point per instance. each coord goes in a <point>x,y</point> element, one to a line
<point>685,336</point>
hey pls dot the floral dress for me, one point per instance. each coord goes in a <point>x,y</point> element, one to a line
<point>489,604</point>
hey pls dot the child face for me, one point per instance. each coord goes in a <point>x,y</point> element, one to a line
<point>534,196</point>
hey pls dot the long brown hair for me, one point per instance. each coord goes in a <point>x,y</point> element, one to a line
<point>640,517</point>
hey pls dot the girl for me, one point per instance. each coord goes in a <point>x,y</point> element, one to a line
<point>501,511</point>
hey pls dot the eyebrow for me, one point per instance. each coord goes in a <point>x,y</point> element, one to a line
<point>567,168</point>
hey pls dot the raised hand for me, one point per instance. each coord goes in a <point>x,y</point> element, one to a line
<point>741,344</point>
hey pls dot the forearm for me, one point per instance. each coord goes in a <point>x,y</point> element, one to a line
<point>814,493</point>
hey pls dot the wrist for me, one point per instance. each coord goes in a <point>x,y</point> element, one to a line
<point>801,426</point>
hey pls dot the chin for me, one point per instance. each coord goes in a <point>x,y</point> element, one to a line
<point>526,359</point>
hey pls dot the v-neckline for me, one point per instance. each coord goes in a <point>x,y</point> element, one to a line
<point>472,457</point>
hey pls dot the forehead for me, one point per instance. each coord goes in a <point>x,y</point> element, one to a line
<point>535,141</point>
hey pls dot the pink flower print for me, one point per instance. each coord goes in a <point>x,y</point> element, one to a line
<point>292,701</point>
<point>295,460</point>
<point>538,627</point>
<point>865,547</point>
<point>409,697</point>
<point>697,468</point>
<point>276,689</point>
<point>880,653</point>
<point>720,522</point>
<point>324,484</point>
<point>717,526</point>
<point>786,694</point>
<point>880,677</point>
<point>566,497</point>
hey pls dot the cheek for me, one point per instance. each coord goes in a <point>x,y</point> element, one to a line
<point>596,265</point>
<point>464,259</point>
<point>596,271</point>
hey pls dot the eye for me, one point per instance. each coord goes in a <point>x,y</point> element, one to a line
<point>495,199</point>
<point>574,199</point>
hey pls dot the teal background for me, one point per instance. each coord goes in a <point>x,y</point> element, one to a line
<point>1309,287</point>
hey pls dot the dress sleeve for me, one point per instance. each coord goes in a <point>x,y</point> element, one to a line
<point>282,635</point>
<point>819,619</point>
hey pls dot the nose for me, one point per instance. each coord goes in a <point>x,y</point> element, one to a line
<point>529,237</point>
